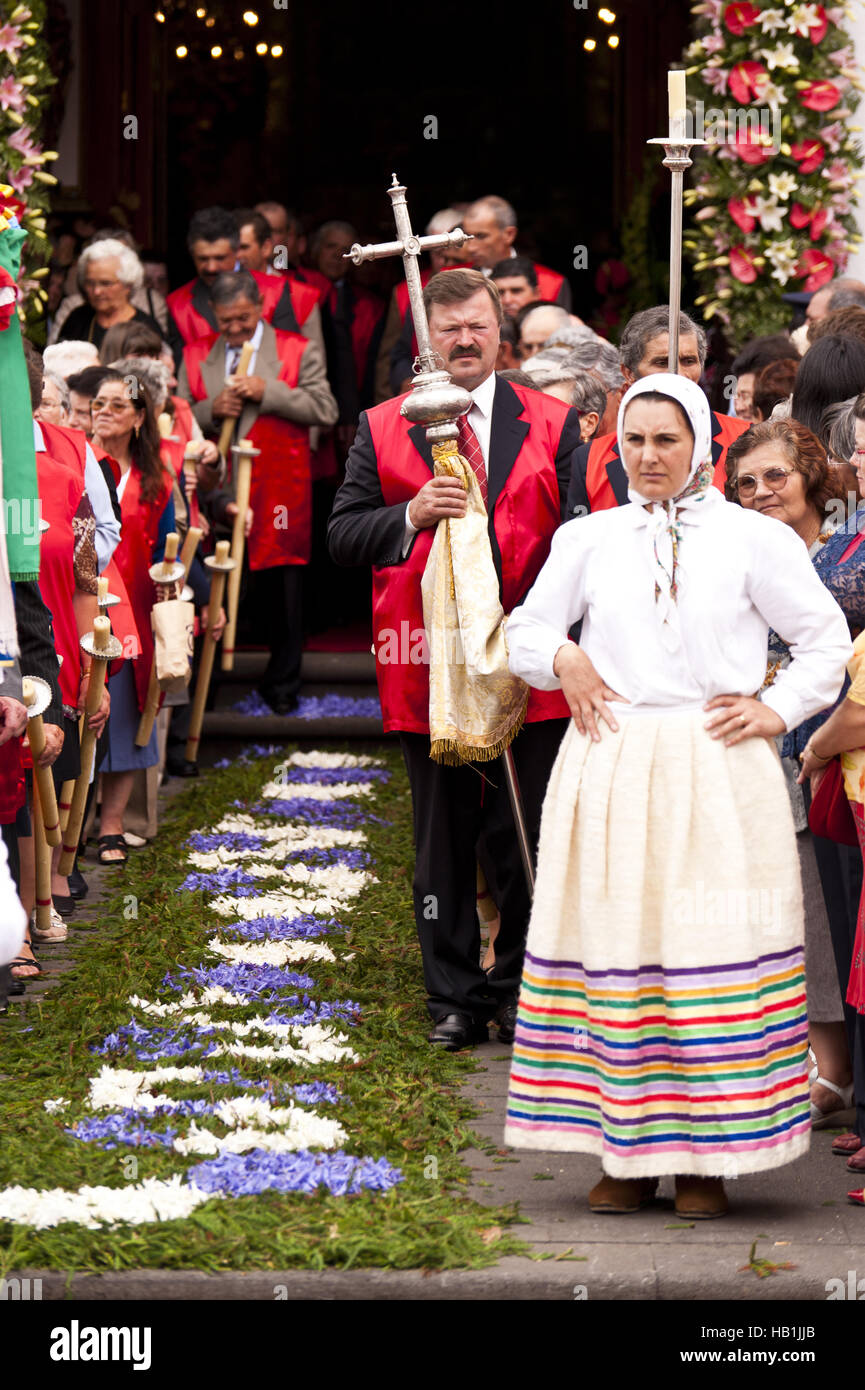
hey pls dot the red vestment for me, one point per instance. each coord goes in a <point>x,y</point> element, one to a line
<point>281,491</point>
<point>192,325</point>
<point>526,514</point>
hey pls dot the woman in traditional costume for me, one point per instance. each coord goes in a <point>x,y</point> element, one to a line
<point>662,1021</point>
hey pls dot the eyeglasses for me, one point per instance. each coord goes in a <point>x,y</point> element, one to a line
<point>774,478</point>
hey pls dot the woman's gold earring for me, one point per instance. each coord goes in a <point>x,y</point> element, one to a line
<point>137,431</point>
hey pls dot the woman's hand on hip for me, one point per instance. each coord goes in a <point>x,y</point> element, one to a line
<point>736,717</point>
<point>584,690</point>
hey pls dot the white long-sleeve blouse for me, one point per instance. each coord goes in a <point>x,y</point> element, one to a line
<point>739,573</point>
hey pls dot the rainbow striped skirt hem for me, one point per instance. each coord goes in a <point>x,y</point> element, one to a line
<point>692,1070</point>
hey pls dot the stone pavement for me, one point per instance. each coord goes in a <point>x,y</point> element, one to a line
<point>798,1213</point>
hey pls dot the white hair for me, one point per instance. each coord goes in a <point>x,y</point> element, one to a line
<point>603,359</point>
<point>150,372</point>
<point>130,271</point>
<point>558,316</point>
<point>70,357</point>
<point>574,335</point>
<point>443,221</point>
<point>62,388</point>
<point>550,366</point>
<point>504,213</point>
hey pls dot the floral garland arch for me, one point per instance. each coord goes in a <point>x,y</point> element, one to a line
<point>773,199</point>
<point>25,78</point>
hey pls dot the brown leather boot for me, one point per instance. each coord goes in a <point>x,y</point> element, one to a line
<point>700,1199</point>
<point>616,1196</point>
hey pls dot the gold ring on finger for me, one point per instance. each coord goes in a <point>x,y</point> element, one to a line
<point>743,719</point>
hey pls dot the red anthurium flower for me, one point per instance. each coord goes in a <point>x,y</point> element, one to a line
<point>756,147</point>
<point>808,154</point>
<point>818,222</point>
<point>745,80</point>
<point>820,96</point>
<point>738,210</point>
<point>818,267</point>
<point>817,31</point>
<point>799,216</point>
<point>742,265</point>
<point>740,17</point>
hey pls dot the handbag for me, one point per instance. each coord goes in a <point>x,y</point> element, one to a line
<point>173,622</point>
<point>830,815</point>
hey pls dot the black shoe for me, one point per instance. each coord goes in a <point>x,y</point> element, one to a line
<point>180,767</point>
<point>280,704</point>
<point>64,903</point>
<point>506,1018</point>
<point>456,1031</point>
<point>78,885</point>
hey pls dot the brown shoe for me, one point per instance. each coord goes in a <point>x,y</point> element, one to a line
<point>699,1199</point>
<point>616,1196</point>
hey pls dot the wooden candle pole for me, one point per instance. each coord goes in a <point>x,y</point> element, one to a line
<point>167,571</point>
<point>102,648</point>
<point>37,699</point>
<point>226,434</point>
<point>64,802</point>
<point>190,474</point>
<point>190,545</point>
<point>244,453</point>
<point>42,858</point>
<point>220,566</point>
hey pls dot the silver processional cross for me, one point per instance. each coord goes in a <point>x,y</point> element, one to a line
<point>436,402</point>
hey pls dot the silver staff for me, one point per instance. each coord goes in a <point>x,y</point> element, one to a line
<point>436,402</point>
<point>678,159</point>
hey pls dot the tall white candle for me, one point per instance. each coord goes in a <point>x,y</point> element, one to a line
<point>677,99</point>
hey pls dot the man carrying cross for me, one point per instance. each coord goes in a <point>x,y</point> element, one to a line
<point>519,444</point>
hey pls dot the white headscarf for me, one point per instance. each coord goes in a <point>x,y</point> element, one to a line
<point>663,522</point>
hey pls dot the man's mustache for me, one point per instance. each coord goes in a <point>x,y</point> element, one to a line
<point>463,352</point>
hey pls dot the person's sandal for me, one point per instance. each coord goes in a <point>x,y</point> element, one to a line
<point>32,963</point>
<point>111,842</point>
<point>846,1144</point>
<point>57,931</point>
<point>843,1114</point>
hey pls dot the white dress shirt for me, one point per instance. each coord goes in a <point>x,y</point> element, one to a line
<point>480,417</point>
<point>107,536</point>
<point>234,353</point>
<point>739,574</point>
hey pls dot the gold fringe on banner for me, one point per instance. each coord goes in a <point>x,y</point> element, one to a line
<point>476,706</point>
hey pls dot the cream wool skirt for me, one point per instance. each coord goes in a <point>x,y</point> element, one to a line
<point>662,1021</point>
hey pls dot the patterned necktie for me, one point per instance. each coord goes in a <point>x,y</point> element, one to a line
<point>472,453</point>
<point>233,360</point>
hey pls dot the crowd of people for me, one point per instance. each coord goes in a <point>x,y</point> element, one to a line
<point>276,340</point>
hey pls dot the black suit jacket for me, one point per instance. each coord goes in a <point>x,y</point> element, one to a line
<point>363,530</point>
<point>578,497</point>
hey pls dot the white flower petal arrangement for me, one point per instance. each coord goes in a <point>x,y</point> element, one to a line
<point>252,1122</point>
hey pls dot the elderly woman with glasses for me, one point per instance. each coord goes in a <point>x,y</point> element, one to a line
<point>108,274</point>
<point>780,468</point>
